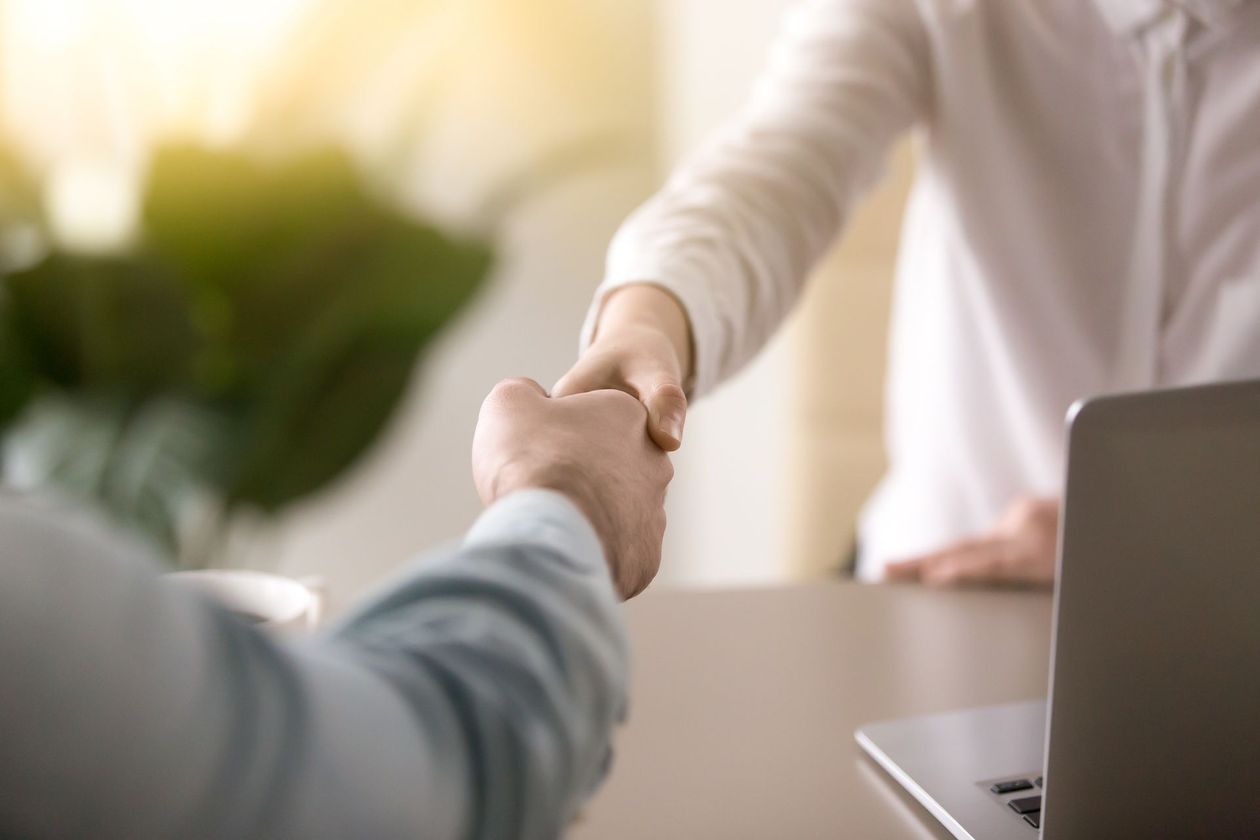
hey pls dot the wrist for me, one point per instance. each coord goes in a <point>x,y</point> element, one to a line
<point>643,309</point>
<point>565,479</point>
<point>640,339</point>
<point>539,517</point>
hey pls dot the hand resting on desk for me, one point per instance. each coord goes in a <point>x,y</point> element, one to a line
<point>1020,549</point>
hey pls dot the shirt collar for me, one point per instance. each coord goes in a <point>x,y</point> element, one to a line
<point>1214,14</point>
<point>1128,17</point>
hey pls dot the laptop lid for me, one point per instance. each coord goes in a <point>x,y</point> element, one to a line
<point>1154,727</point>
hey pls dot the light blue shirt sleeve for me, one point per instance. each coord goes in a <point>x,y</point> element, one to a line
<point>474,698</point>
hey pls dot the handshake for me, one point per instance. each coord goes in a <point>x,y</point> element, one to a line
<point>594,448</point>
<point>601,437</point>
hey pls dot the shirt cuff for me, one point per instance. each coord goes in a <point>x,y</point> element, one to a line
<point>539,517</point>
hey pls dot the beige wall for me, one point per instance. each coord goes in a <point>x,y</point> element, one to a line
<point>838,361</point>
<point>727,507</point>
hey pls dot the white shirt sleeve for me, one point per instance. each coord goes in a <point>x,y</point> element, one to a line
<point>739,227</point>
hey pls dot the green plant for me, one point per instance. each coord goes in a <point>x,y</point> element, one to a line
<point>247,350</point>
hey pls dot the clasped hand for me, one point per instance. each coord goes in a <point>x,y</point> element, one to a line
<point>593,448</point>
<point>1020,549</point>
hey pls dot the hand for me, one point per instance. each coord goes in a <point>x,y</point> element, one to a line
<point>642,346</point>
<point>1021,549</point>
<point>593,448</point>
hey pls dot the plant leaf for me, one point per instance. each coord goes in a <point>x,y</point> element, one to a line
<point>320,298</point>
<point>145,464</point>
<point>252,348</point>
<point>17,379</point>
<point>346,373</point>
<point>102,324</point>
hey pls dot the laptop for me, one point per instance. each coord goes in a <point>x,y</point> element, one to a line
<point>1152,725</point>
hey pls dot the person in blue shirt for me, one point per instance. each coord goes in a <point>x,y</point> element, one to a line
<point>473,698</point>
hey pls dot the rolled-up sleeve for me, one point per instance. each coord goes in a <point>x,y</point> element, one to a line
<point>739,226</point>
<point>475,698</point>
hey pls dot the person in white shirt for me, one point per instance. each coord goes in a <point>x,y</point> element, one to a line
<point>1086,218</point>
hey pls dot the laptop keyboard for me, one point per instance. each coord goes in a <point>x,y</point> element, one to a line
<point>1027,805</point>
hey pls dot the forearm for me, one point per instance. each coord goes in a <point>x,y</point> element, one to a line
<point>740,225</point>
<point>474,699</point>
<point>520,631</point>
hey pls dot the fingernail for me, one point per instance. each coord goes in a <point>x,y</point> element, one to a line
<point>672,425</point>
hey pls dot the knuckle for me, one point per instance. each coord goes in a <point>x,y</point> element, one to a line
<point>508,397</point>
<point>512,388</point>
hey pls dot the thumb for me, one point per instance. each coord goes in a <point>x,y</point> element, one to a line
<point>667,413</point>
<point>586,376</point>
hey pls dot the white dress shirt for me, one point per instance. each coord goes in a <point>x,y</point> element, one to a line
<point>1086,218</point>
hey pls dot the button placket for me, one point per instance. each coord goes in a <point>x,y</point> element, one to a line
<point>1162,51</point>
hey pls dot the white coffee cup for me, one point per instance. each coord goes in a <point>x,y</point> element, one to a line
<point>277,603</point>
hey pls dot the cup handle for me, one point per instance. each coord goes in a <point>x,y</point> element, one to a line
<point>318,588</point>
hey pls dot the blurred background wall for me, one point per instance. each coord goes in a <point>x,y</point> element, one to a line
<point>446,101</point>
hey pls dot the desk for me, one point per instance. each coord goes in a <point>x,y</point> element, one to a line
<point>744,704</point>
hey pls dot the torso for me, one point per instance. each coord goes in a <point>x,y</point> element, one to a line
<point>1019,290</point>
